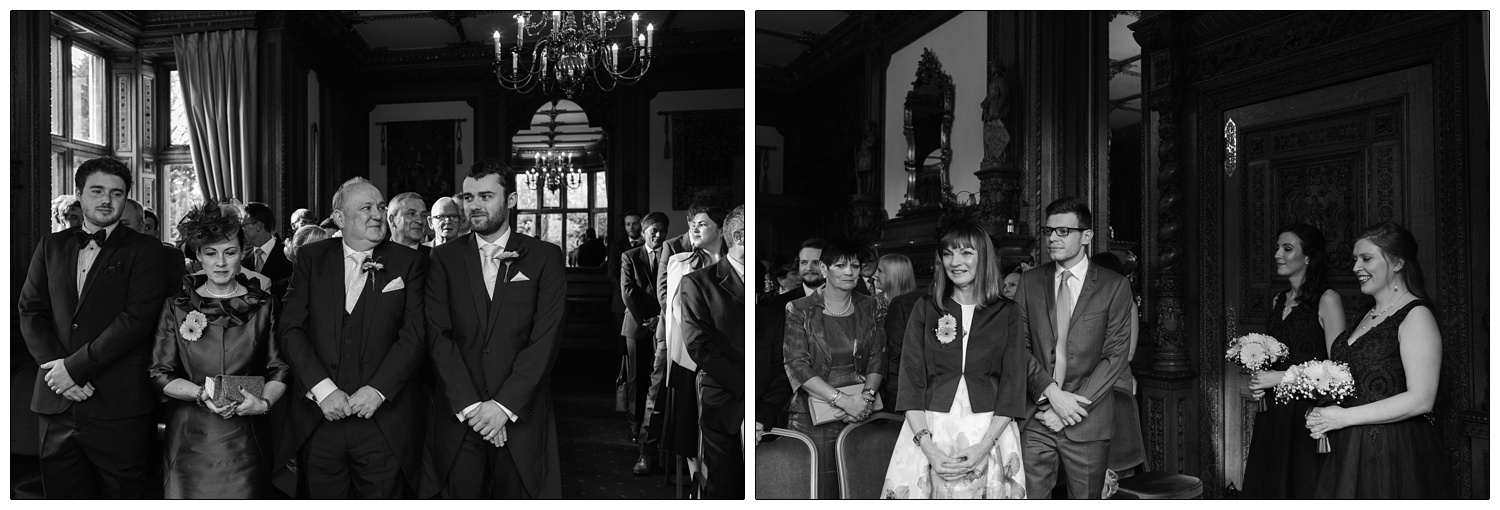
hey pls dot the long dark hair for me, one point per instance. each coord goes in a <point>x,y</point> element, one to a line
<point>1315,246</point>
<point>1398,245</point>
<point>986,275</point>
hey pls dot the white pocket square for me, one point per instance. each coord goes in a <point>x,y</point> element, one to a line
<point>520,277</point>
<point>396,284</point>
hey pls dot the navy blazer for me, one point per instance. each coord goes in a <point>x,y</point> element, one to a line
<point>637,286</point>
<point>1098,341</point>
<point>995,371</point>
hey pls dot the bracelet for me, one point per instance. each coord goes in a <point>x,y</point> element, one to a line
<point>199,397</point>
<point>870,391</point>
<point>917,438</point>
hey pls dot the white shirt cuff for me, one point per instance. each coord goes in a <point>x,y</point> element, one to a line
<point>476,405</point>
<point>321,390</point>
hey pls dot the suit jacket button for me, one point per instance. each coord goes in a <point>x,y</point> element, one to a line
<point>346,356</point>
<point>75,326</point>
<point>486,351</point>
<point>348,341</point>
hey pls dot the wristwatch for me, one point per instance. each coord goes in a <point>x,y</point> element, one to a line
<point>917,438</point>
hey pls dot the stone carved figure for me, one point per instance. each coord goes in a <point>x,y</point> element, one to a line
<point>996,106</point>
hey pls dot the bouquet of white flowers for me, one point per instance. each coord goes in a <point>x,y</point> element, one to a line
<point>1256,352</point>
<point>1325,382</point>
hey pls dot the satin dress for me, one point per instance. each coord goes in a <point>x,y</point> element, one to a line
<point>205,456</point>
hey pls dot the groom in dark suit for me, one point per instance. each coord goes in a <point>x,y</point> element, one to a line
<point>352,333</point>
<point>92,296</point>
<point>713,327</point>
<point>1076,322</point>
<point>495,299</point>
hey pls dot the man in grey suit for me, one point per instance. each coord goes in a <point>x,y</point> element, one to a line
<point>1076,322</point>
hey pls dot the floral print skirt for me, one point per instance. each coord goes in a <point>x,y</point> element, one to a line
<point>1001,476</point>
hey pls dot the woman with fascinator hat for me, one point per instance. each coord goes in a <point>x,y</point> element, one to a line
<point>220,324</point>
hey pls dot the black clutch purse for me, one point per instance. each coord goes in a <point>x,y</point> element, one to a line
<point>224,390</point>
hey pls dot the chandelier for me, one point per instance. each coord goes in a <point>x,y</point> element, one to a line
<point>553,169</point>
<point>575,50</point>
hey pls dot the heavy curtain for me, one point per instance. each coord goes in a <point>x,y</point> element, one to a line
<point>217,72</point>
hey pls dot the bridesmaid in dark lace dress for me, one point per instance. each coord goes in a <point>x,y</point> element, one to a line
<point>1384,443</point>
<point>1283,461</point>
<point>219,324</point>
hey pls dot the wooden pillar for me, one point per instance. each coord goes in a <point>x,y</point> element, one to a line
<point>30,145</point>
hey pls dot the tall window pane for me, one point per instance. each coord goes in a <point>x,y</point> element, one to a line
<point>526,224</point>
<point>525,197</point>
<point>552,229</point>
<point>89,92</point>
<point>601,190</point>
<point>182,194</point>
<point>179,112</point>
<point>550,198</point>
<point>57,85</point>
<point>578,197</point>
<point>577,222</point>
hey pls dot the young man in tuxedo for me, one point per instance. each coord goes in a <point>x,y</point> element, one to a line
<point>496,300</point>
<point>1076,322</point>
<point>92,297</point>
<point>352,333</point>
<point>713,327</point>
<point>638,269</point>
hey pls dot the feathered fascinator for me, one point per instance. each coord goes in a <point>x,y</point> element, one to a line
<point>951,217</point>
<point>206,223</point>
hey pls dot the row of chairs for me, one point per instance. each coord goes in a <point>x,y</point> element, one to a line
<point>787,468</point>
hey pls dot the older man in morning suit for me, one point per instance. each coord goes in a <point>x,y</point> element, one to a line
<point>495,310</point>
<point>1076,322</point>
<point>92,295</point>
<point>352,333</point>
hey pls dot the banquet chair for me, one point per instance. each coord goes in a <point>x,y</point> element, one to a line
<point>786,468</point>
<point>864,451</point>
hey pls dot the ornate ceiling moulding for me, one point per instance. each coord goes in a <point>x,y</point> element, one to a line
<point>853,37</point>
<point>475,53</point>
<point>115,29</point>
<point>1288,36</point>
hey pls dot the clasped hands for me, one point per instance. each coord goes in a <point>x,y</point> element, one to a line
<point>489,421</point>
<point>853,409</point>
<point>1322,420</point>
<point>1066,407</point>
<point>61,383</point>
<point>953,467</point>
<point>253,405</point>
<point>339,405</point>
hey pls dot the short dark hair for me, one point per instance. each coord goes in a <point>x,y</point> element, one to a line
<point>486,167</point>
<point>152,215</point>
<point>630,213</point>
<point>103,164</point>
<point>717,214</point>
<point>654,218</point>
<point>261,213</point>
<point>840,249</point>
<point>1073,205</point>
<point>815,243</point>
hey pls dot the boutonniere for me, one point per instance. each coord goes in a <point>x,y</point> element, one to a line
<point>372,264</point>
<point>510,256</point>
<point>192,326</point>
<point>947,329</point>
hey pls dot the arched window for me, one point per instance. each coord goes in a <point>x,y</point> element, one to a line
<point>562,189</point>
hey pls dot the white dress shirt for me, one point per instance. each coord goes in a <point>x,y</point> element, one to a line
<point>265,253</point>
<point>89,252</point>
<point>1079,270</point>
<point>354,284</point>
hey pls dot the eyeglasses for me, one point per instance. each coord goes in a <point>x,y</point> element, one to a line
<point>447,217</point>
<point>1061,231</point>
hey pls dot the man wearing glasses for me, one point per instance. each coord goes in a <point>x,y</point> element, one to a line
<point>1076,322</point>
<point>447,221</point>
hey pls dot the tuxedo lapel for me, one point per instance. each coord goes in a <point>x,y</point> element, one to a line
<point>731,282</point>
<point>101,262</point>
<point>502,280</point>
<point>71,251</point>
<point>475,280</point>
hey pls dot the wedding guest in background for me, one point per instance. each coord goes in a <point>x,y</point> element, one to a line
<point>1384,443</point>
<point>306,234</point>
<point>331,227</point>
<point>867,268</point>
<point>495,323</point>
<point>219,324</point>
<point>680,423</point>
<point>642,315</point>
<point>352,333</point>
<point>151,224</point>
<point>88,304</point>
<point>172,267</point>
<point>66,213</point>
<point>1074,362</point>
<point>833,342</point>
<point>133,215</point>
<point>264,252</point>
<point>447,221</point>
<point>1127,448</point>
<point>788,278</point>
<point>713,327</point>
<point>592,252</point>
<point>407,215</point>
<point>1283,460</point>
<point>631,223</point>
<point>963,383</point>
<point>1012,280</point>
<point>896,295</point>
<point>301,218</point>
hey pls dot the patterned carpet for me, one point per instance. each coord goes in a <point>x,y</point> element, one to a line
<point>596,453</point>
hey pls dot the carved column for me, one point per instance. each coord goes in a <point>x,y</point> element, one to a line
<point>1167,386</point>
<point>999,177</point>
<point>867,207</point>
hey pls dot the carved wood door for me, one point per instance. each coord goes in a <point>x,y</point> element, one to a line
<point>1339,158</point>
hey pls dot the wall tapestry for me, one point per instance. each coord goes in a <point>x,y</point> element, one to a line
<point>707,149</point>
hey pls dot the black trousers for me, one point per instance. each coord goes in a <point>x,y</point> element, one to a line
<point>656,396</point>
<point>1083,463</point>
<point>349,459</point>
<point>482,471</point>
<point>723,450</point>
<point>640,353</point>
<point>94,458</point>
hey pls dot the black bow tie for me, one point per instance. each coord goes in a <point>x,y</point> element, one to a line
<point>97,237</point>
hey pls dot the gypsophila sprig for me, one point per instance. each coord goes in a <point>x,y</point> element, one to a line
<point>1325,381</point>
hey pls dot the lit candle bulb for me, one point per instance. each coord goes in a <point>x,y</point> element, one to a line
<point>556,20</point>
<point>601,21</point>
<point>520,30</point>
<point>635,19</point>
<point>650,36</point>
<point>498,53</point>
<point>614,56</point>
